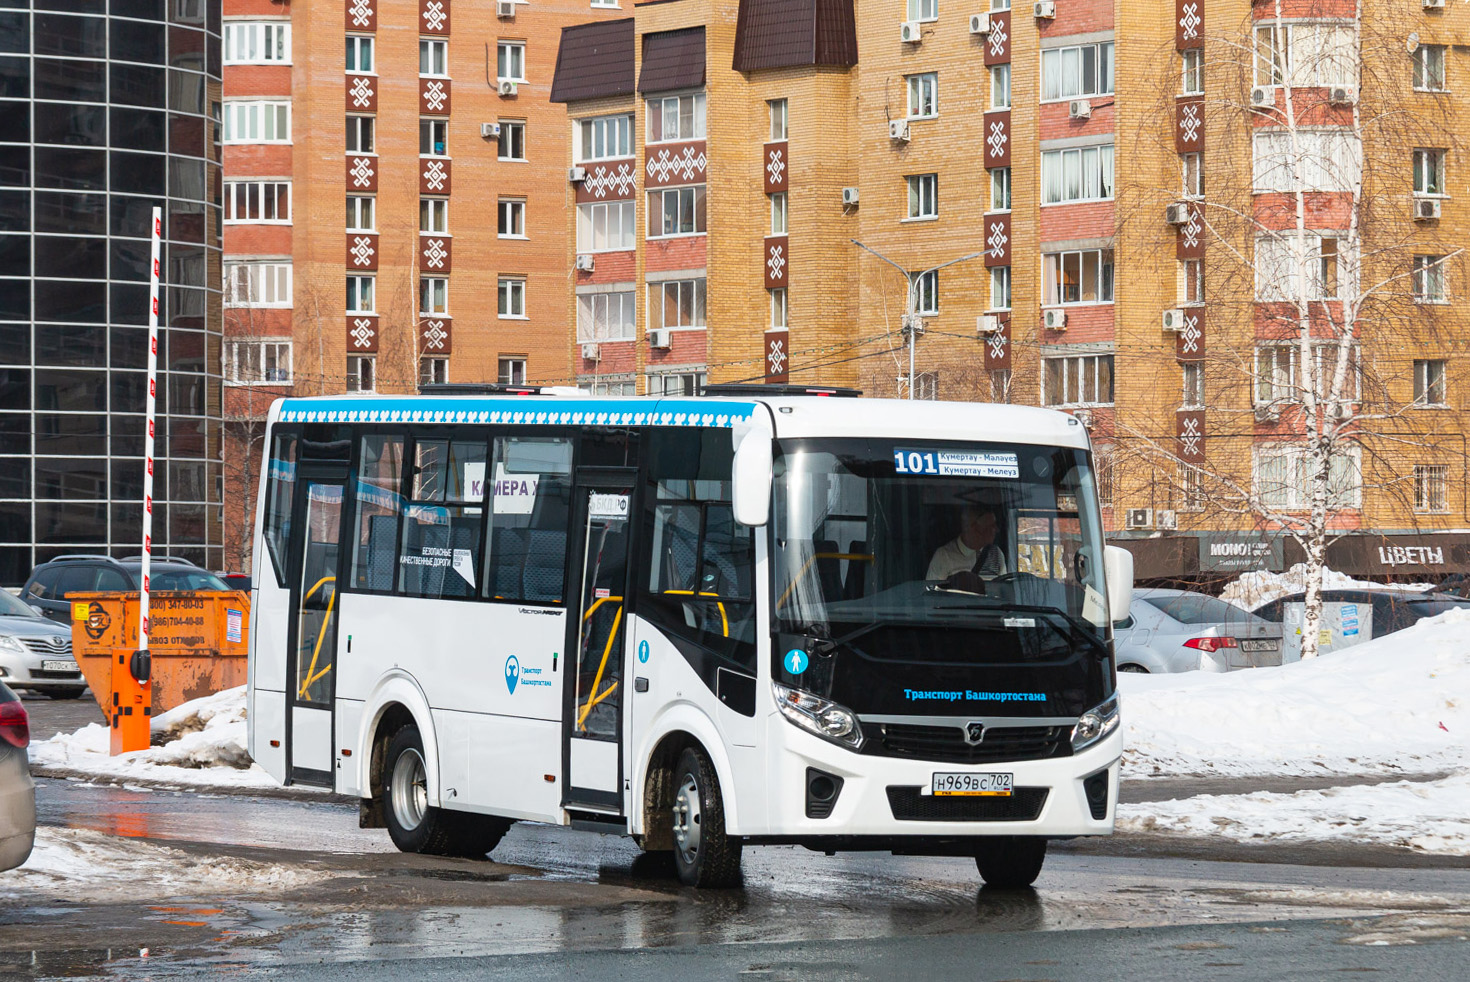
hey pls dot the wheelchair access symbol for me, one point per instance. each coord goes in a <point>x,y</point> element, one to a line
<point>796,661</point>
<point>643,652</point>
<point>512,672</point>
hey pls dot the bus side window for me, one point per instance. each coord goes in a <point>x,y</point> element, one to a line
<point>443,520</point>
<point>379,473</point>
<point>530,504</point>
<point>280,484</point>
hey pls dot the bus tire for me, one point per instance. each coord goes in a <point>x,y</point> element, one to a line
<point>413,824</point>
<point>474,836</point>
<point>704,856</point>
<point>1011,862</point>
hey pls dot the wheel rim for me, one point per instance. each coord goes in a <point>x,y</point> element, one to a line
<point>687,815</point>
<point>410,790</point>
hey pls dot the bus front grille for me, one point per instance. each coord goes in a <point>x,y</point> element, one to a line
<point>947,743</point>
<point>908,805</point>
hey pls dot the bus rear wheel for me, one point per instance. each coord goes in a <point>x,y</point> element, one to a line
<point>416,826</point>
<point>1011,862</point>
<point>704,856</point>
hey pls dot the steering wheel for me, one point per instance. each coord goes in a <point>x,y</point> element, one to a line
<point>1014,576</point>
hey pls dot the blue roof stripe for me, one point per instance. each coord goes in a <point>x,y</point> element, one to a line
<point>518,411</point>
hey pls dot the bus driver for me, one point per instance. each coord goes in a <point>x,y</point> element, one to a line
<point>973,550</point>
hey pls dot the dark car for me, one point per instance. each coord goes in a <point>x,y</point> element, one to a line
<point>236,581</point>
<point>51,583</point>
<point>1393,608</point>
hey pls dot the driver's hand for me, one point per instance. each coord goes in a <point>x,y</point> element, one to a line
<point>966,581</point>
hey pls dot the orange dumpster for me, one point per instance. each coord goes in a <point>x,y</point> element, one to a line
<point>199,642</point>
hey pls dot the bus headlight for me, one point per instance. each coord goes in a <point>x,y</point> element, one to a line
<point>820,716</point>
<point>1095,724</point>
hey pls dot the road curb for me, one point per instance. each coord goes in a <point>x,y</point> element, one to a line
<point>117,781</point>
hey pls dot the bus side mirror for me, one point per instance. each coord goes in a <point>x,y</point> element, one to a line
<point>1118,574</point>
<point>751,480</point>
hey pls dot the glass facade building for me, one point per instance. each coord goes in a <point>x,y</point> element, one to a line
<point>108,108</point>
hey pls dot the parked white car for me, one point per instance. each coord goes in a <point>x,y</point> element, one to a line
<point>17,790</point>
<point>1183,631</point>
<point>35,652</point>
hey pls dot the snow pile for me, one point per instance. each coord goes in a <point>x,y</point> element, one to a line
<point>1429,816</point>
<point>1258,587</point>
<point>1399,704</point>
<point>201,743</point>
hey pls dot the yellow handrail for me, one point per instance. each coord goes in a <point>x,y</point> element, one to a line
<point>304,692</point>
<point>594,699</point>
<point>724,621</point>
<point>598,603</point>
<point>866,557</point>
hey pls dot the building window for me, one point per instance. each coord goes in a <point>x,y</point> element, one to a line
<point>359,54</point>
<point>1192,74</point>
<point>257,122</point>
<point>511,371</point>
<point>778,119</point>
<point>778,307</point>
<point>1000,385</point>
<point>1306,54</point>
<point>1276,380</point>
<point>1084,174</point>
<point>676,303</point>
<point>1429,68</point>
<point>778,213</point>
<point>676,383</point>
<point>923,10</point>
<point>607,227</point>
<point>362,373</point>
<point>676,211</point>
<point>434,137</point>
<point>512,144</point>
<point>604,138</point>
<point>1078,380</point>
<point>361,212</point>
<point>512,218</point>
<point>1429,382</point>
<point>434,216</point>
<point>1193,273</point>
<point>1000,86</point>
<point>925,287</point>
<point>257,284</point>
<point>1189,488</point>
<point>433,57</point>
<point>1000,288</point>
<point>1329,269</point>
<point>1429,285</point>
<point>1076,72</point>
<point>512,297</point>
<point>676,117</point>
<point>1000,189</point>
<point>433,371</point>
<point>1078,277</point>
<point>258,362</point>
<point>1283,477</point>
<point>1429,171</point>
<point>361,131</point>
<point>1429,488</point>
<point>606,316</point>
<point>926,385</point>
<point>923,95</point>
<point>923,195</point>
<point>257,43</point>
<point>258,201</point>
<point>609,385</point>
<point>1192,170</point>
<point>1194,384</point>
<point>360,295</point>
<point>606,3</point>
<point>433,295</point>
<point>1328,159</point>
<point>510,61</point>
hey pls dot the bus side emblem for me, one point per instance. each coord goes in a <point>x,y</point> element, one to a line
<point>974,733</point>
<point>512,672</point>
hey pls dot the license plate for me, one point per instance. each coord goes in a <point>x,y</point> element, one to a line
<point>1269,644</point>
<point>58,666</point>
<point>979,785</point>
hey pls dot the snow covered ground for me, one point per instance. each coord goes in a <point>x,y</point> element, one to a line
<point>1252,589</point>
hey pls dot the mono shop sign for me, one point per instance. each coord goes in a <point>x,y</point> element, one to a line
<point>1232,552</point>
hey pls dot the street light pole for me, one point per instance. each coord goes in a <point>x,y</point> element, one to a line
<point>912,324</point>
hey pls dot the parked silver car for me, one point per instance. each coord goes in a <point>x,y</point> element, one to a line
<point>35,652</point>
<point>17,790</point>
<point>1183,631</point>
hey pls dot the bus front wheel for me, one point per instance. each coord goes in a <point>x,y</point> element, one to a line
<point>704,855</point>
<point>414,824</point>
<point>1011,862</point>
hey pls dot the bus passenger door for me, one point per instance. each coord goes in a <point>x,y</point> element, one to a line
<point>595,691</point>
<point>316,531</point>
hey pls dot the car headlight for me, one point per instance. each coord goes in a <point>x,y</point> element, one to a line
<point>9,643</point>
<point>820,716</point>
<point>1096,723</point>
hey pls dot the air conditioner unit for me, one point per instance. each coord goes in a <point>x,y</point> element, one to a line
<point>1139,518</point>
<point>1433,4</point>
<point>576,174</point>
<point>505,8</point>
<point>1342,95</point>
<point>988,323</point>
<point>1263,97</point>
<point>591,351</point>
<point>1426,209</point>
<point>507,87</point>
<point>849,196</point>
<point>1177,213</point>
<point>660,337</point>
<point>1044,10</point>
<point>1166,519</point>
<point>1054,320</point>
<point>1079,109</point>
<point>1267,412</point>
<point>1173,320</point>
<point>1083,416</point>
<point>908,32</point>
<point>490,131</point>
<point>979,23</point>
<point>898,129</point>
<point>584,262</point>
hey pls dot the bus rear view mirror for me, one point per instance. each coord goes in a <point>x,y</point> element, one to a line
<point>1118,572</point>
<point>751,480</point>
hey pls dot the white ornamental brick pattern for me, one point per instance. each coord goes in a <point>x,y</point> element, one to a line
<point>776,262</point>
<point>361,91</point>
<point>435,176</point>
<point>363,333</point>
<point>1190,437</point>
<point>775,165</point>
<point>435,15</point>
<point>997,238</point>
<point>362,172</point>
<point>1191,230</point>
<point>1190,20</point>
<point>998,37</point>
<point>776,358</point>
<point>362,251</point>
<point>361,13</point>
<point>686,166</point>
<point>997,343</point>
<point>436,335</point>
<point>435,253</point>
<point>603,181</point>
<point>997,139</point>
<point>1190,337</point>
<point>435,96</point>
<point>1190,122</point>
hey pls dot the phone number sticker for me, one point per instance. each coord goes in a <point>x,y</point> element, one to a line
<point>951,463</point>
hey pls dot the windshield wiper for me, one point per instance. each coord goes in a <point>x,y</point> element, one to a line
<point>818,645</point>
<point>1076,623</point>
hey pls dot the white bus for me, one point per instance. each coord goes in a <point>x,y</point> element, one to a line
<point>754,617</point>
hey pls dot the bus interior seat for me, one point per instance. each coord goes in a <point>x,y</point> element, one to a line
<point>829,569</point>
<point>857,571</point>
<point>507,561</point>
<point>544,572</point>
<point>381,554</point>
